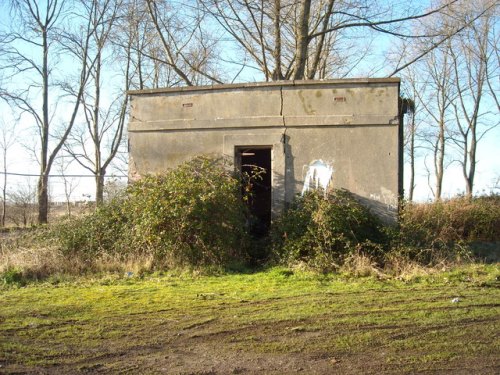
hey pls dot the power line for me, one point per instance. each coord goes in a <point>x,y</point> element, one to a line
<point>58,175</point>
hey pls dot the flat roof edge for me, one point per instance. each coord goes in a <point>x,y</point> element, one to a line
<point>232,86</point>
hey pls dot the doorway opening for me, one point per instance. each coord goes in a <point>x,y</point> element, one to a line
<point>255,165</point>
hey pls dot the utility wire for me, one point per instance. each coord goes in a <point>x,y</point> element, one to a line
<point>57,175</point>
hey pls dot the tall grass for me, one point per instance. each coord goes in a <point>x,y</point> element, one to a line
<point>458,219</point>
<point>36,255</point>
<point>445,230</point>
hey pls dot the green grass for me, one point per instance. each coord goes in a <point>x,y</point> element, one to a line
<point>140,322</point>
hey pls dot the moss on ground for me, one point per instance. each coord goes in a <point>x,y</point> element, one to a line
<point>147,322</point>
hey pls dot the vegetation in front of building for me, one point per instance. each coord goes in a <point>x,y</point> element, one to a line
<point>323,229</point>
<point>190,216</point>
<point>446,225</point>
<point>193,218</point>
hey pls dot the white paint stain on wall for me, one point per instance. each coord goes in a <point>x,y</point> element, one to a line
<point>386,197</point>
<point>319,174</point>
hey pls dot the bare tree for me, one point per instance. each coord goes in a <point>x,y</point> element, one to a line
<point>134,42</point>
<point>275,35</point>
<point>474,64</point>
<point>436,96</point>
<point>129,36</point>
<point>308,39</point>
<point>33,49</point>
<point>114,188</point>
<point>7,140</point>
<point>449,76</point>
<point>95,144</point>
<point>23,203</point>
<point>495,185</point>
<point>70,183</point>
<point>186,46</point>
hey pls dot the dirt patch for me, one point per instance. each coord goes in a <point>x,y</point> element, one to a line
<point>206,349</point>
<point>252,324</point>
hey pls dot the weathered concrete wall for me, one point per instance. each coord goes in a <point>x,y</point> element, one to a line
<point>352,126</point>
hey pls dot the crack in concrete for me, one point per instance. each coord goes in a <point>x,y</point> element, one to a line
<point>281,108</point>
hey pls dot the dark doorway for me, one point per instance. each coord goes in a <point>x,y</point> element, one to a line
<point>255,162</point>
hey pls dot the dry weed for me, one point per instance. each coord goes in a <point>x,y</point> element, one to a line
<point>37,262</point>
<point>41,262</point>
<point>361,265</point>
<point>402,268</point>
<point>133,264</point>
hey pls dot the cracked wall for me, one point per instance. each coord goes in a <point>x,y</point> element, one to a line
<point>351,125</point>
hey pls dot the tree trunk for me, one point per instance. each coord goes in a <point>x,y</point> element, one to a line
<point>302,40</point>
<point>412,159</point>
<point>321,42</point>
<point>4,188</point>
<point>469,181</point>
<point>277,74</point>
<point>4,209</point>
<point>99,188</point>
<point>43,199</point>
<point>440,152</point>
<point>43,196</point>
<point>99,172</point>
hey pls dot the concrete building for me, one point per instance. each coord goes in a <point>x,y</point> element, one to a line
<point>334,134</point>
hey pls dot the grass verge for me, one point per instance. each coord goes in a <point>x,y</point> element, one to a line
<point>277,321</point>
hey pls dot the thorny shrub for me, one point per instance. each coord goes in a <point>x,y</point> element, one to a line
<point>190,216</point>
<point>323,229</point>
<point>194,216</point>
<point>103,232</point>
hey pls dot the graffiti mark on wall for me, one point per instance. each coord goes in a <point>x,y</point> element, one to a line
<point>319,175</point>
<point>386,197</point>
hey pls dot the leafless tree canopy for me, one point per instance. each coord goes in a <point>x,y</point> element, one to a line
<point>454,79</point>
<point>65,66</point>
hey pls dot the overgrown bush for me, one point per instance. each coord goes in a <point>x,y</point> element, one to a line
<point>105,231</point>
<point>194,216</point>
<point>190,216</point>
<point>443,230</point>
<point>323,230</point>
